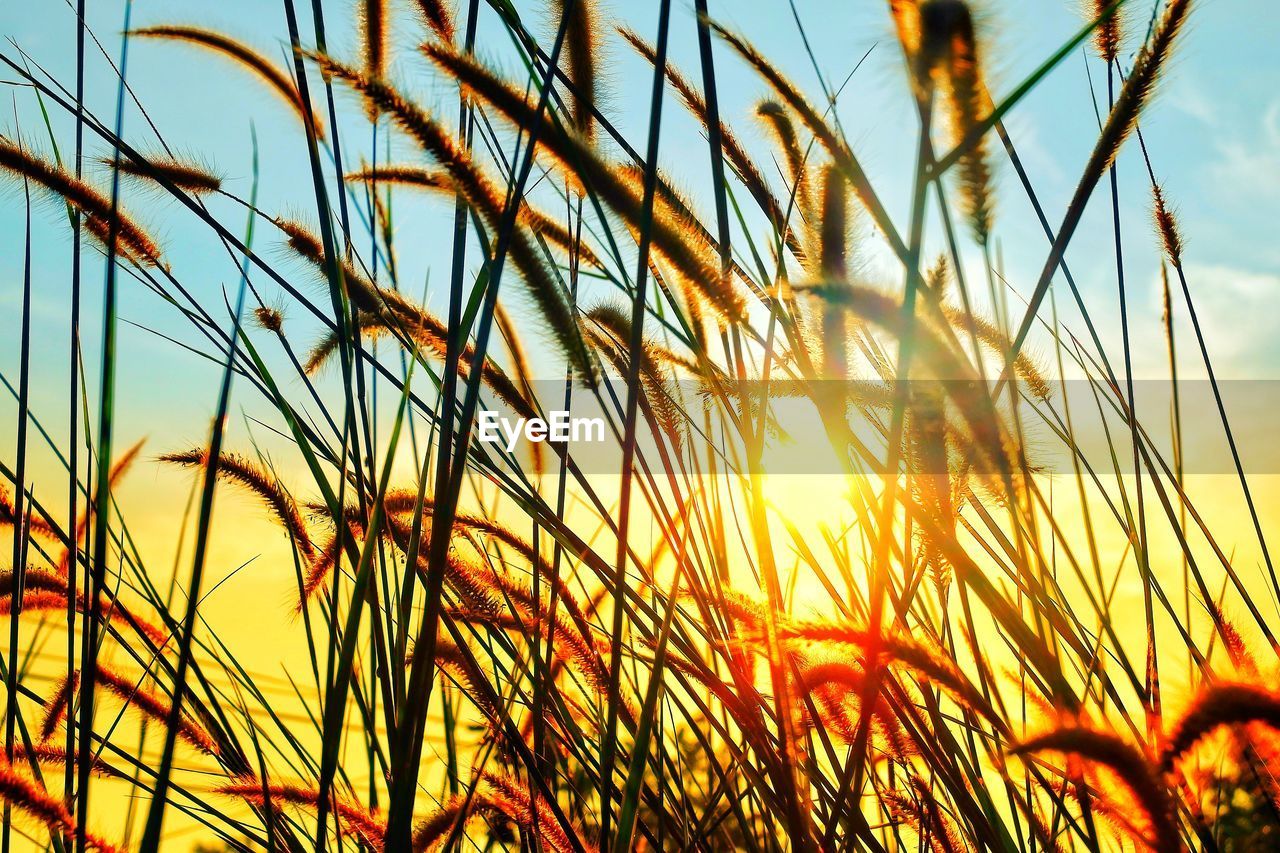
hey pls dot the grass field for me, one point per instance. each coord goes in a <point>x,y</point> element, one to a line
<point>886,543</point>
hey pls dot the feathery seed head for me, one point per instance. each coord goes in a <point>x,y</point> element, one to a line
<point>1166,226</point>
<point>1217,705</point>
<point>1137,90</point>
<point>438,17</point>
<point>55,709</point>
<point>271,319</point>
<point>1107,35</point>
<point>945,27</point>
<point>906,23</point>
<point>183,174</point>
<point>1125,761</point>
<point>244,56</point>
<point>374,30</point>
<point>102,218</point>
<point>582,46</point>
<point>949,54</point>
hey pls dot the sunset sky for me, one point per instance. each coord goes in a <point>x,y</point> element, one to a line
<point>1215,131</point>
<point>1213,134</point>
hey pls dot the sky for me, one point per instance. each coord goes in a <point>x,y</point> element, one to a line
<point>1213,132</point>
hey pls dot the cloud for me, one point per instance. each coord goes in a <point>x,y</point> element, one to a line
<point>1187,96</point>
<point>1241,342</point>
<point>1250,168</point>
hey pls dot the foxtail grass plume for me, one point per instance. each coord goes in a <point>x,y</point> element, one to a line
<point>1166,226</point>
<point>1242,658</point>
<point>358,820</point>
<point>675,212</point>
<point>938,279</point>
<point>567,644</point>
<point>918,808</point>
<point>834,252</point>
<point>516,794</point>
<point>928,660</point>
<point>436,180</point>
<point>363,293</point>
<point>401,502</point>
<point>546,291</point>
<point>36,526</point>
<point>55,709</point>
<point>431,336</point>
<point>928,449</point>
<point>102,217</point>
<point>113,239</point>
<point>187,176</point>
<point>1140,85</point>
<point>1024,366</point>
<point>581,55</point>
<point>1126,762</point>
<point>129,690</point>
<point>515,348</point>
<point>949,47</point>
<point>609,326</point>
<point>48,755</point>
<point>382,311</point>
<point>258,480</point>
<point>1217,705</point>
<point>743,164</point>
<point>122,465</point>
<point>438,17</point>
<point>411,176</point>
<point>988,439</point>
<point>374,31</point>
<point>1120,123</point>
<point>834,263</point>
<point>34,601</point>
<point>29,797</point>
<point>578,159</point>
<point>776,119</point>
<point>269,318</point>
<point>822,132</point>
<point>244,56</point>
<point>45,591</point>
<point>1107,35</point>
<point>500,797</point>
<point>451,814</point>
<point>906,25</point>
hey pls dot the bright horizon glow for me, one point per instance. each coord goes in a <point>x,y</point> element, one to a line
<point>1214,136</point>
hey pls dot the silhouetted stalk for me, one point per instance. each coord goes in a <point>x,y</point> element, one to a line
<point>635,345</point>
<point>1152,686</point>
<point>101,513</point>
<point>1128,105</point>
<point>1171,240</point>
<point>155,817</point>
<point>22,526</point>
<point>411,723</point>
<point>1175,424</point>
<point>73,412</point>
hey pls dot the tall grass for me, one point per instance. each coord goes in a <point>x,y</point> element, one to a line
<point>521,651</point>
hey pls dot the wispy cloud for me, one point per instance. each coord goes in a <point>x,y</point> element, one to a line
<point>1188,96</point>
<point>1226,301</point>
<point>1250,167</point>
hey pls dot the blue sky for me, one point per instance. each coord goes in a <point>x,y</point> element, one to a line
<point>1214,133</point>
